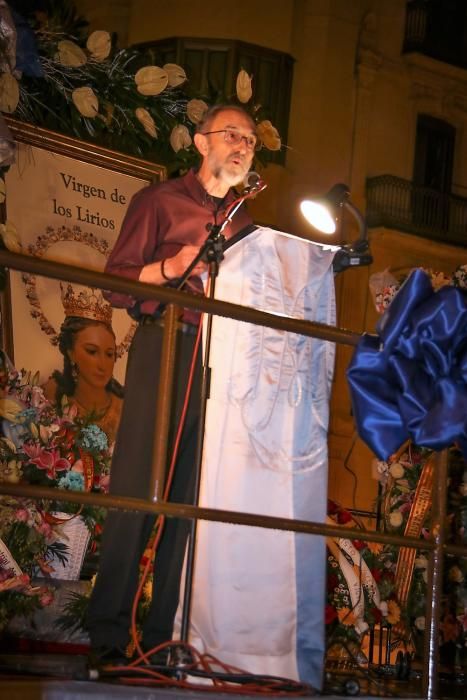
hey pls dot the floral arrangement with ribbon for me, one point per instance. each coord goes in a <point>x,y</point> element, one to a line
<point>415,385</point>
<point>400,478</point>
<point>360,583</point>
<point>56,75</point>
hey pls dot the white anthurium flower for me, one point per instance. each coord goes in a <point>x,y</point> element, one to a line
<point>10,237</point>
<point>151,80</point>
<point>175,73</point>
<point>268,135</point>
<point>147,121</point>
<point>70,54</point>
<point>361,626</point>
<point>396,519</point>
<point>396,470</point>
<point>99,44</point>
<point>9,93</point>
<point>180,138</point>
<point>85,101</point>
<point>421,562</point>
<point>243,86</point>
<point>195,110</point>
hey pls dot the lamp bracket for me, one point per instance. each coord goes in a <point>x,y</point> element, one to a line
<point>352,255</point>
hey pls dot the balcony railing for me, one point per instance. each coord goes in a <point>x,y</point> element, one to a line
<point>399,204</point>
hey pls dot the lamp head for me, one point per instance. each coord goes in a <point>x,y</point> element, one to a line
<point>322,213</point>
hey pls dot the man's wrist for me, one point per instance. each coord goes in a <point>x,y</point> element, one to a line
<point>164,274</point>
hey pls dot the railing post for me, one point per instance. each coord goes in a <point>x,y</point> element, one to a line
<point>430,679</point>
<point>163,404</point>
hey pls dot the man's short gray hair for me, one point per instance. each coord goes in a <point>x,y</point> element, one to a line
<point>210,114</point>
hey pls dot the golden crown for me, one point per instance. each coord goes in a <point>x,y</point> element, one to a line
<point>86,304</point>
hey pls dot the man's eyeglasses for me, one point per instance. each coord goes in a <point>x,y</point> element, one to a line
<point>234,138</point>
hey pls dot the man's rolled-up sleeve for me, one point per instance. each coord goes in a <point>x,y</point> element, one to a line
<point>135,246</point>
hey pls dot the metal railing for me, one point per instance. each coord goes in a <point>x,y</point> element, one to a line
<point>436,546</point>
<point>399,204</point>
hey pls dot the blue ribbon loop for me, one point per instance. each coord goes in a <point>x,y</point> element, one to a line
<point>410,381</point>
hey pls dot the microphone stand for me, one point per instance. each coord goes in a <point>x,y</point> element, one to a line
<point>211,251</point>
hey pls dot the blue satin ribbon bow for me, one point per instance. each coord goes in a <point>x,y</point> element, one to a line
<point>410,381</point>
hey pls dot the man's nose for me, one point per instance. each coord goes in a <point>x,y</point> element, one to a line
<point>243,145</point>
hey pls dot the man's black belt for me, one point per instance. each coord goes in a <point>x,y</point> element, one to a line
<point>148,320</point>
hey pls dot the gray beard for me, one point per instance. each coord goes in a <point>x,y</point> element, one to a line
<point>231,179</point>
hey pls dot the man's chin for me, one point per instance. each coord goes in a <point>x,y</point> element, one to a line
<point>234,177</point>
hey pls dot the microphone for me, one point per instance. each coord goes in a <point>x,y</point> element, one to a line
<point>253,183</point>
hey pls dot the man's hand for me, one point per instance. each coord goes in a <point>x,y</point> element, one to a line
<point>173,267</point>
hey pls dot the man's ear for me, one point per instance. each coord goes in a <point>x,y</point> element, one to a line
<point>201,143</point>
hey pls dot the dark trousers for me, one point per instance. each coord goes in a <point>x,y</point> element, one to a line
<point>126,534</point>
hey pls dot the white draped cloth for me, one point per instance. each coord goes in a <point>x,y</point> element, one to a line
<point>258,595</point>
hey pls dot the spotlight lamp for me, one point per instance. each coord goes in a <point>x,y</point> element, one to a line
<point>323,214</point>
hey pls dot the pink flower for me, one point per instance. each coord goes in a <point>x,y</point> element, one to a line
<point>104,483</point>
<point>22,515</point>
<point>49,460</point>
<point>45,529</point>
<point>33,451</point>
<point>46,598</point>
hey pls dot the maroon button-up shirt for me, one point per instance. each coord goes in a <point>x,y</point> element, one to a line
<point>161,219</point>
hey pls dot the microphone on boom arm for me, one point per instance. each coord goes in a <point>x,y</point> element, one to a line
<point>253,183</point>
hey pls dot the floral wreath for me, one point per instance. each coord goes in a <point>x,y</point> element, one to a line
<point>39,249</point>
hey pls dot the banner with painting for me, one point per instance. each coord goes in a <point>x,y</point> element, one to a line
<point>65,201</point>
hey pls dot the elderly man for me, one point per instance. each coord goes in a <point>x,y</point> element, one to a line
<point>162,232</point>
